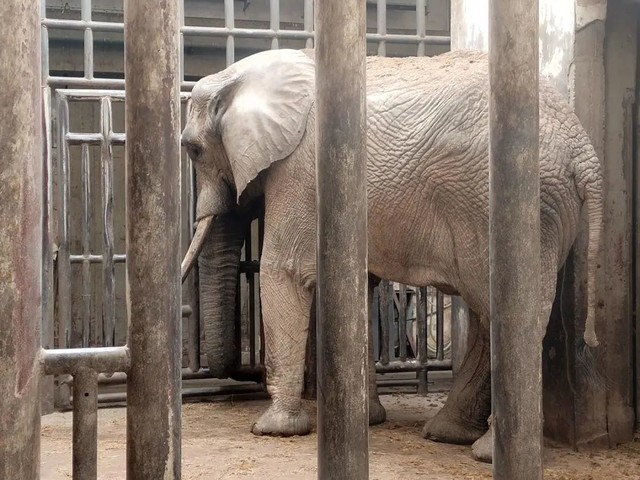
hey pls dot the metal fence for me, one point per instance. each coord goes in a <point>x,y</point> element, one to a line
<point>84,245</point>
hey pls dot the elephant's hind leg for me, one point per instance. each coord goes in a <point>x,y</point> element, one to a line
<point>463,419</point>
<point>286,305</point>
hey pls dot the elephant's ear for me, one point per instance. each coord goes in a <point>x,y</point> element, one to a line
<point>266,116</point>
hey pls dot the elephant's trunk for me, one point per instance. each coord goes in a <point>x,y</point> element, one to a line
<point>218,268</point>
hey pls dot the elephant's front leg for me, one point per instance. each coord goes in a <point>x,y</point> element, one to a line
<point>285,311</point>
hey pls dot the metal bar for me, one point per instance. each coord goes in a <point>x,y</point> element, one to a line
<point>63,263</point>
<point>274,20</point>
<point>439,325</point>
<point>308,22</point>
<point>86,246</point>
<point>391,327</point>
<point>62,361</point>
<point>421,325</point>
<point>245,392</point>
<point>21,196</point>
<point>382,26</point>
<point>342,284</point>
<point>412,365</point>
<point>44,42</point>
<point>260,323</point>
<point>229,30</point>
<point>383,296</point>
<point>252,296</point>
<point>420,28</point>
<point>85,8</point>
<point>153,225</point>
<point>514,240</point>
<point>85,425</point>
<point>402,323</point>
<point>92,258</point>
<point>108,258</point>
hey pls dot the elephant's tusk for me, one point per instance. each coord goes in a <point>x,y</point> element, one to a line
<point>204,225</point>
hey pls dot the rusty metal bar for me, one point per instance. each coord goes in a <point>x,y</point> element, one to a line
<point>108,265</point>
<point>342,289</point>
<point>152,111</point>
<point>85,425</point>
<point>514,240</point>
<point>439,325</point>
<point>421,341</point>
<point>21,195</point>
<point>62,361</point>
<point>86,248</point>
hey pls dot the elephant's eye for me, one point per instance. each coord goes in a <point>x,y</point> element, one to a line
<point>194,151</point>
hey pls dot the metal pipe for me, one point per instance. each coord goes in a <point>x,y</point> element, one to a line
<point>382,26</point>
<point>86,247</point>
<point>383,295</point>
<point>246,392</point>
<point>420,27</point>
<point>439,325</point>
<point>62,262</point>
<point>85,9</point>
<point>308,22</point>
<point>274,21</point>
<point>229,30</point>
<point>342,288</point>
<point>108,266</point>
<point>85,425</point>
<point>21,196</point>
<point>152,111</point>
<point>62,361</point>
<point>421,325</point>
<point>514,240</point>
<point>412,365</point>
<point>402,323</point>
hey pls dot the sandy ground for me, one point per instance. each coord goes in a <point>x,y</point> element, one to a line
<point>217,444</point>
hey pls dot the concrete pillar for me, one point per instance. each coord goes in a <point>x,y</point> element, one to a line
<point>514,240</point>
<point>153,238</point>
<point>342,321</point>
<point>21,217</point>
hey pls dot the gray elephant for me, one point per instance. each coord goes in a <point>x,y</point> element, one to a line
<point>250,135</point>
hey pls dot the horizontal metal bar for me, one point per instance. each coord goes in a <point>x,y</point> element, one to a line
<point>70,360</point>
<point>257,390</point>
<point>244,32</point>
<point>412,365</point>
<point>118,258</point>
<point>83,95</point>
<point>93,138</point>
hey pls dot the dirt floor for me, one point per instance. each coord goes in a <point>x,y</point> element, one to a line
<point>217,444</point>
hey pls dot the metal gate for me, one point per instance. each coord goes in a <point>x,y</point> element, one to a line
<point>84,274</point>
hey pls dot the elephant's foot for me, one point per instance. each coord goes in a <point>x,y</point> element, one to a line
<point>280,423</point>
<point>482,449</point>
<point>447,428</point>
<point>377,413</point>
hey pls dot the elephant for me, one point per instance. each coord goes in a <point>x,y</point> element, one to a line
<point>250,133</point>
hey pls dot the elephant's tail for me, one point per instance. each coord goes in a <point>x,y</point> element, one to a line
<point>589,183</point>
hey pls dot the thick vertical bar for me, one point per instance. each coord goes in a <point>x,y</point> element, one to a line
<point>308,21</point>
<point>20,239</point>
<point>391,325</point>
<point>402,322</point>
<point>514,240</point>
<point>63,261</point>
<point>85,425</point>
<point>439,325</point>
<point>420,24</point>
<point>421,327</point>
<point>44,40</point>
<point>274,20</point>
<point>383,296</point>
<point>86,247</point>
<point>152,111</point>
<point>342,291</point>
<point>85,9</point>
<point>251,280</point>
<point>382,26</point>
<point>108,266</point>
<point>229,22</point>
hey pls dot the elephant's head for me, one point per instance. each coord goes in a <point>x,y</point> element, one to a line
<point>241,120</point>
